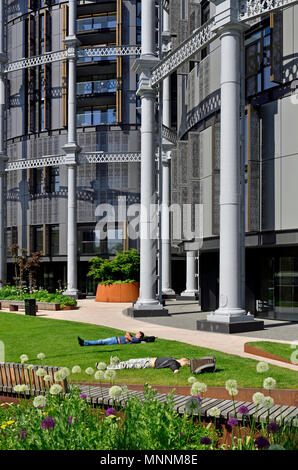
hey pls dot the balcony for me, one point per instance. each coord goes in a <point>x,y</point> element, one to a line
<point>96,87</point>
<point>96,23</point>
<point>96,117</point>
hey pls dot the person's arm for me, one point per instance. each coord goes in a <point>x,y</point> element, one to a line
<point>128,336</point>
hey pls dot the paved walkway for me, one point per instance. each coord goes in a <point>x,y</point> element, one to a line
<point>179,326</point>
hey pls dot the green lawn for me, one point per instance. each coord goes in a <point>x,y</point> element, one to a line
<point>281,350</point>
<point>57,339</point>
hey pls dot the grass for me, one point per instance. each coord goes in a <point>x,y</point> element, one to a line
<point>57,339</point>
<point>281,350</point>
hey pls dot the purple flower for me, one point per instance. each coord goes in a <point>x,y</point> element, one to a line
<point>232,422</point>
<point>206,441</point>
<point>3,433</point>
<point>70,419</point>
<point>272,427</point>
<point>48,423</point>
<point>262,443</point>
<point>197,397</point>
<point>243,410</point>
<point>110,411</point>
<point>83,395</point>
<point>22,435</point>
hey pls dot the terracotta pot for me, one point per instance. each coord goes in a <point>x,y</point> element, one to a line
<point>68,307</point>
<point>117,292</point>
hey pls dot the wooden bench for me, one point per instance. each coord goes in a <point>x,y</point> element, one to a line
<point>99,396</point>
<point>12,374</point>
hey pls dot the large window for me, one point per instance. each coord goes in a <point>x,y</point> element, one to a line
<point>54,240</point>
<point>91,241</point>
<point>96,115</point>
<point>97,87</point>
<point>258,60</point>
<point>44,180</point>
<point>97,22</point>
<point>37,242</point>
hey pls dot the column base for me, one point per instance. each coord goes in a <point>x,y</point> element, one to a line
<point>145,312</point>
<point>229,328</point>
<point>188,295</point>
<point>168,293</point>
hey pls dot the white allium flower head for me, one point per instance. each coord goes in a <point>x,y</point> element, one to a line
<point>76,370</point>
<point>40,372</point>
<point>115,391</point>
<point>55,389</point>
<point>30,366</point>
<point>89,371</point>
<point>233,391</point>
<point>24,358</point>
<point>192,405</point>
<point>269,383</point>
<point>114,360</point>
<point>40,400</point>
<point>258,398</point>
<point>215,412</point>
<point>60,375</point>
<point>110,374</point>
<point>17,388</point>
<point>47,378</point>
<point>101,366</point>
<point>231,383</point>
<point>262,367</point>
<point>198,387</point>
<point>191,380</point>
<point>99,375</point>
<point>41,356</point>
<point>268,402</point>
<point>66,371</point>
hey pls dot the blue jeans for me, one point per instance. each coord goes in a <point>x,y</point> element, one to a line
<point>102,342</point>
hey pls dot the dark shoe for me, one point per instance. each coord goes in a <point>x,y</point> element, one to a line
<point>81,341</point>
<point>205,364</point>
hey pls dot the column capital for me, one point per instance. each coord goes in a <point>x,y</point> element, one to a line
<point>227,16</point>
<point>71,149</point>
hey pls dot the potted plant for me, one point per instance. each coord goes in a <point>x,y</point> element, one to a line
<point>118,279</point>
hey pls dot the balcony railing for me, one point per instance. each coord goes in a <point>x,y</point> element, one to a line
<point>96,22</point>
<point>96,117</point>
<point>96,87</point>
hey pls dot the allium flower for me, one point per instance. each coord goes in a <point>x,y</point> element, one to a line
<point>261,442</point>
<point>48,423</point>
<point>111,411</point>
<point>60,375</point>
<point>269,383</point>
<point>110,374</point>
<point>192,405</point>
<point>89,371</point>
<point>40,372</point>
<point>47,378</point>
<point>232,422</point>
<point>76,370</point>
<point>233,391</point>
<point>17,388</point>
<point>273,427</point>
<point>101,366</point>
<point>55,389</point>
<point>268,402</point>
<point>41,356</point>
<point>115,392</point>
<point>114,360</point>
<point>262,367</point>
<point>191,380</point>
<point>231,384</point>
<point>99,375</point>
<point>30,366</point>
<point>66,371</point>
<point>21,388</point>
<point>70,419</point>
<point>206,441</point>
<point>39,401</point>
<point>83,396</point>
<point>197,388</point>
<point>24,358</point>
<point>215,412</point>
<point>258,398</point>
<point>243,410</point>
<point>124,388</point>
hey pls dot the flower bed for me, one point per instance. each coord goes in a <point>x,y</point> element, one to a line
<point>8,293</point>
<point>53,420</point>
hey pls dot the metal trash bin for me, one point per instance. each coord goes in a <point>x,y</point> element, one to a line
<point>30,307</point>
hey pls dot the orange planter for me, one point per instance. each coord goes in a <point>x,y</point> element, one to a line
<point>118,292</point>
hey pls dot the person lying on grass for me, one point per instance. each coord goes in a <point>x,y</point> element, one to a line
<point>203,364</point>
<point>127,339</point>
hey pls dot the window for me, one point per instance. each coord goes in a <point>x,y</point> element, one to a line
<point>53,179</point>
<point>258,60</point>
<point>205,16</point>
<point>97,87</point>
<point>96,115</point>
<point>139,23</point>
<point>89,241</point>
<point>54,240</point>
<point>12,236</point>
<point>37,242</point>
<point>44,180</point>
<point>97,22</point>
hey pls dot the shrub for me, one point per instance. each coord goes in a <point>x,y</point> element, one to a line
<point>124,267</point>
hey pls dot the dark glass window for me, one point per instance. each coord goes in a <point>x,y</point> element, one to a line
<point>54,240</point>
<point>258,61</point>
<point>37,238</point>
<point>205,16</point>
<point>53,179</point>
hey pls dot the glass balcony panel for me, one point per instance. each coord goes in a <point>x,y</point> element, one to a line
<point>101,86</point>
